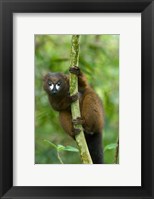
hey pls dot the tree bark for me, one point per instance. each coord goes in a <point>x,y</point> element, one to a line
<point>80,138</point>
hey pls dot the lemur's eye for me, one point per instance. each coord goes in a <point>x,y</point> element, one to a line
<point>58,83</point>
<point>49,83</point>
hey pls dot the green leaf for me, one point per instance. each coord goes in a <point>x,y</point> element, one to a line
<point>72,149</point>
<point>60,147</point>
<point>52,144</point>
<point>67,148</point>
<point>110,147</point>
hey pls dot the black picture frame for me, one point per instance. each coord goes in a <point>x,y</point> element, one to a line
<point>7,8</point>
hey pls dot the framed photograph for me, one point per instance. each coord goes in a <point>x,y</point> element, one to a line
<point>108,47</point>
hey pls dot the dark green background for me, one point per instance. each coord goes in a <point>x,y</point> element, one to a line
<point>99,60</point>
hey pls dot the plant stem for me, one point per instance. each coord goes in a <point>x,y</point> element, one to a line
<point>117,152</point>
<point>80,139</point>
<point>59,158</point>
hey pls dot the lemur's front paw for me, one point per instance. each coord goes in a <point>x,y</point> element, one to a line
<point>75,70</point>
<point>74,97</point>
<point>76,131</point>
<point>78,120</point>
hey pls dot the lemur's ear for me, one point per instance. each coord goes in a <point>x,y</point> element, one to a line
<point>45,75</point>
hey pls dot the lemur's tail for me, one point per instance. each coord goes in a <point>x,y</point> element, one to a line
<point>94,142</point>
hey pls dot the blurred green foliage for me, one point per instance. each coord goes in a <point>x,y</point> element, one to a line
<point>99,60</point>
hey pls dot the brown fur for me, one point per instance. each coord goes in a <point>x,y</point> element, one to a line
<point>90,105</point>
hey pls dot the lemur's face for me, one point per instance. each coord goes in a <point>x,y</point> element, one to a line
<point>54,87</point>
<point>54,83</point>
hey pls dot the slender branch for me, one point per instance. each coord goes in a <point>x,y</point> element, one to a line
<point>59,158</point>
<point>117,152</point>
<point>80,139</point>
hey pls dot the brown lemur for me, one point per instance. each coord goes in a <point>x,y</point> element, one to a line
<point>57,87</point>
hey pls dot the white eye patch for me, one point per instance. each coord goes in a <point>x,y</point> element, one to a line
<point>57,86</point>
<point>51,87</point>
